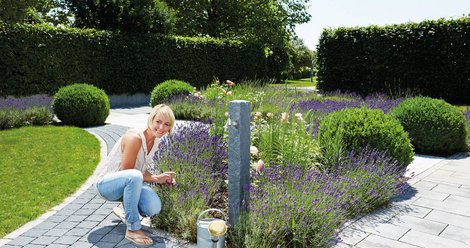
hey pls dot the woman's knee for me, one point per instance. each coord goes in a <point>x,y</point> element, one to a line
<point>134,176</point>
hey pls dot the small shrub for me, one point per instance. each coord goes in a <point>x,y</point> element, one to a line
<point>81,105</point>
<point>434,126</point>
<point>12,118</point>
<point>168,89</point>
<point>357,128</point>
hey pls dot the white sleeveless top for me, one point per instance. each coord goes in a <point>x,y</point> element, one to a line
<point>144,160</point>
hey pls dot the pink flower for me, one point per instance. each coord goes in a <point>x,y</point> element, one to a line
<point>260,165</point>
<point>230,83</point>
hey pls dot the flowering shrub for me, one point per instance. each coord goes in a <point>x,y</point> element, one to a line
<point>200,163</point>
<point>294,206</point>
<point>12,118</point>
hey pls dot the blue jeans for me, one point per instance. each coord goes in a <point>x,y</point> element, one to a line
<point>137,197</point>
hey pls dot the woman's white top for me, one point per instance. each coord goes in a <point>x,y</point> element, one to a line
<point>144,159</point>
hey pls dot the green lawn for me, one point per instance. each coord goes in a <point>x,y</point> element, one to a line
<point>39,168</point>
<point>304,82</point>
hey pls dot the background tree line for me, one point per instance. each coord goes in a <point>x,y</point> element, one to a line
<point>270,23</point>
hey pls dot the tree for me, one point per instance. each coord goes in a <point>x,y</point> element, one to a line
<point>270,22</point>
<point>143,16</point>
<point>34,11</point>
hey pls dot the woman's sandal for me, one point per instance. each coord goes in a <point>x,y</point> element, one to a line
<point>136,239</point>
<point>119,212</point>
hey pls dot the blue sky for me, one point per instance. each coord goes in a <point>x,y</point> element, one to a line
<point>351,13</point>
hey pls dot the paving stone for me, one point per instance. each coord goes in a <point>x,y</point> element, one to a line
<point>74,206</point>
<point>67,240</point>
<point>105,245</point>
<point>44,240</point>
<point>46,225</point>
<point>427,240</point>
<point>77,218</point>
<point>21,241</point>
<point>352,236</point>
<point>422,225</point>
<point>442,206</point>
<point>112,237</point>
<point>87,224</point>
<point>458,200</point>
<point>449,218</point>
<point>431,195</point>
<point>9,246</point>
<point>97,201</point>
<point>342,245</point>
<point>82,200</point>
<point>85,211</point>
<point>57,218</point>
<point>66,212</point>
<point>57,246</point>
<point>423,184</point>
<point>103,211</point>
<point>457,233</point>
<point>56,232</point>
<point>78,231</point>
<point>81,245</point>
<point>92,206</point>
<point>95,217</point>
<point>67,225</point>
<point>34,232</point>
<point>374,241</point>
<point>452,190</point>
<point>102,230</point>
<point>33,246</point>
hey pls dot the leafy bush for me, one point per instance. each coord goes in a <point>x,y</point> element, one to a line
<point>81,105</point>
<point>434,126</point>
<point>12,118</point>
<point>355,128</point>
<point>168,89</point>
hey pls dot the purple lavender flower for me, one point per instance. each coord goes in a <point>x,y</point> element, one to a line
<point>25,102</point>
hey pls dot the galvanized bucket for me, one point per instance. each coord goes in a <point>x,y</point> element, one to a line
<point>211,231</point>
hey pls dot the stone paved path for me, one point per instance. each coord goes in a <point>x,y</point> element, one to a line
<point>434,213</point>
<point>85,220</point>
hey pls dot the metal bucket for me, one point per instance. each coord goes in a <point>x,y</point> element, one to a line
<point>211,231</point>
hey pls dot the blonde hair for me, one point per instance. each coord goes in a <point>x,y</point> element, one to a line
<point>165,111</point>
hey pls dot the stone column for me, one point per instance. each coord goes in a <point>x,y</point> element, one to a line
<point>238,157</point>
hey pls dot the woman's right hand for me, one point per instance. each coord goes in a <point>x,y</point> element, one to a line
<point>164,178</point>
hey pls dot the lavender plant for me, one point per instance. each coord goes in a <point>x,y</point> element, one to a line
<point>25,102</point>
<point>200,163</point>
<point>291,206</point>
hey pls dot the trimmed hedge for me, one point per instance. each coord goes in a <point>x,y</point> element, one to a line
<point>434,126</point>
<point>39,59</point>
<point>425,58</point>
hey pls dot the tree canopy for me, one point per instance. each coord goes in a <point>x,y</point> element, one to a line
<point>139,16</point>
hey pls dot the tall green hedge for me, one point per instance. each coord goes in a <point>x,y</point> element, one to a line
<point>40,59</point>
<point>430,58</point>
